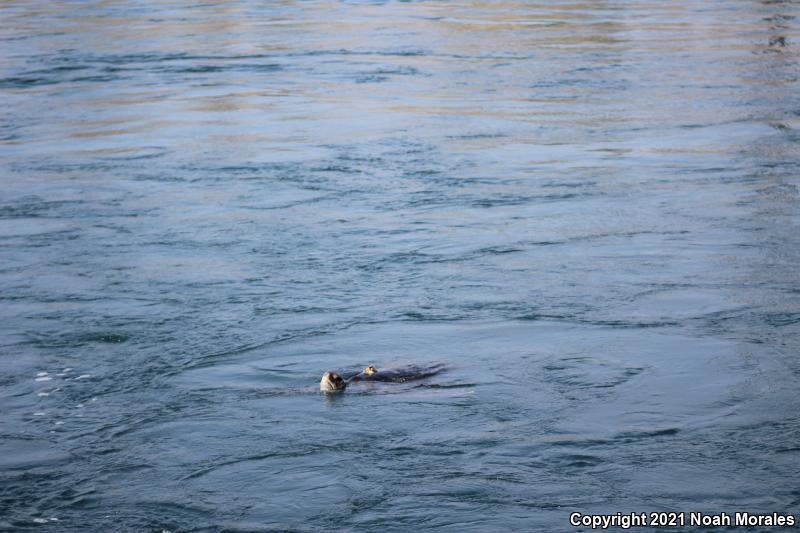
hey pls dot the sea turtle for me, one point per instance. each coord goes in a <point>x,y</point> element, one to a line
<point>333,382</point>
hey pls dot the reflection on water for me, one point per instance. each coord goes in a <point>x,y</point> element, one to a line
<point>587,211</point>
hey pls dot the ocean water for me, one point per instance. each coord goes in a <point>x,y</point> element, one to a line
<point>587,212</point>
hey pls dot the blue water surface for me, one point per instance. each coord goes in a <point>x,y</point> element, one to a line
<point>588,212</point>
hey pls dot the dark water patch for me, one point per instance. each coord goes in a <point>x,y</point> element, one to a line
<point>24,82</point>
<point>370,78</point>
<point>782,319</point>
<point>497,251</point>
<point>141,153</point>
<point>788,450</point>
<point>578,319</point>
<point>112,338</point>
<point>398,52</point>
<point>447,385</point>
<point>75,339</point>
<point>420,316</point>
<point>577,441</point>
<point>630,436</point>
<point>99,78</point>
<point>73,56</point>
<point>115,68</point>
<point>384,74</point>
<point>59,69</point>
<point>575,461</point>
<point>33,206</point>
<point>210,69</point>
<point>477,136</point>
<point>60,167</point>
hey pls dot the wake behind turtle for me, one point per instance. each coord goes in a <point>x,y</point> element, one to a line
<point>333,382</point>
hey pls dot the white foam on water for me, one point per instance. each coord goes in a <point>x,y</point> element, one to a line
<point>40,520</point>
<point>42,394</point>
<point>67,370</point>
<point>39,413</point>
<point>84,376</point>
<point>43,378</point>
<point>40,374</point>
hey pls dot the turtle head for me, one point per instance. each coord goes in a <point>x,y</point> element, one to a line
<point>370,370</point>
<point>332,382</point>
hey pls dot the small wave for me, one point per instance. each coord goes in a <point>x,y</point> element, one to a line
<point>788,450</point>
<point>446,386</point>
<point>576,461</point>
<point>24,82</point>
<point>634,435</point>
